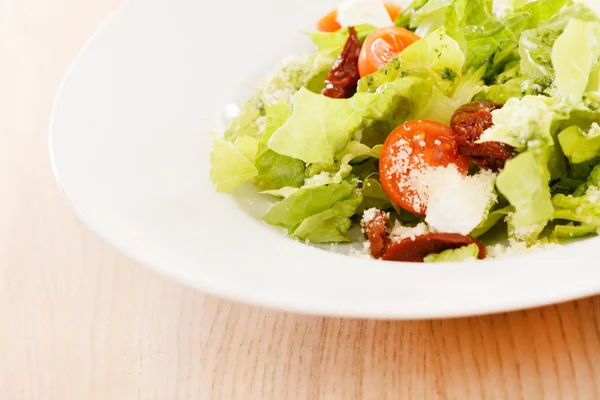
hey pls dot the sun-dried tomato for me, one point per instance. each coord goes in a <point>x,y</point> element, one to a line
<point>375,230</point>
<point>415,250</point>
<point>468,124</point>
<point>342,79</point>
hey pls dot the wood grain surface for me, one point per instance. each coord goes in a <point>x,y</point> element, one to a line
<point>79,321</point>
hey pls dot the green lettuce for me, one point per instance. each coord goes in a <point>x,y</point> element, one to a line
<point>571,231</point>
<point>583,207</point>
<point>463,254</point>
<point>233,163</point>
<point>492,219</point>
<point>579,146</point>
<point>429,17</point>
<point>507,85</point>
<point>319,128</point>
<point>302,204</point>
<point>477,30</point>
<point>374,196</point>
<point>574,55</point>
<point>293,74</point>
<point>330,225</point>
<point>276,171</point>
<point>525,184</point>
<point>404,18</point>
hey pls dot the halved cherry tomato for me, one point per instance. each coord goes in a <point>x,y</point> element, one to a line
<point>381,46</point>
<point>329,22</point>
<point>411,149</point>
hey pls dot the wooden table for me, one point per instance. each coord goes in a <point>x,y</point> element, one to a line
<point>80,321</point>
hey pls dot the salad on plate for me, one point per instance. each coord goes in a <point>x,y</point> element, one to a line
<point>446,131</point>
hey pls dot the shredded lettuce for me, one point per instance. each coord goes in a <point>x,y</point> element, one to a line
<point>463,254</point>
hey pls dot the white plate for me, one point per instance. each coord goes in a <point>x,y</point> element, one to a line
<point>130,144</point>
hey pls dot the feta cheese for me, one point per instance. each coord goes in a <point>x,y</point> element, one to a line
<point>458,203</point>
<point>358,12</point>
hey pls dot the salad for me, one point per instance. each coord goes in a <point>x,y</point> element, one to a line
<point>445,131</point>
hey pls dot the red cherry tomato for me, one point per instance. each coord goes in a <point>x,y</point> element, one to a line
<point>381,46</point>
<point>411,149</point>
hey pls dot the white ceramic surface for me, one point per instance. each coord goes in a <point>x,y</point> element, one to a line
<point>130,144</point>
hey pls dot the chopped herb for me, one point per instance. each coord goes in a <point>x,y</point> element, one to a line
<point>448,74</point>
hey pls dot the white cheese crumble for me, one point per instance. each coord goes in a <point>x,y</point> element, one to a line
<point>286,80</point>
<point>458,203</point>
<point>516,248</point>
<point>358,12</point>
<point>400,232</point>
<point>370,215</point>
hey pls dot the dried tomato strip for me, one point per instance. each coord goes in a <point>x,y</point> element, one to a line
<point>468,124</point>
<point>342,79</point>
<point>415,250</point>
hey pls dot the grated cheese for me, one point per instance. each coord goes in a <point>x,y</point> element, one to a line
<point>372,214</point>
<point>516,248</point>
<point>458,203</point>
<point>400,232</point>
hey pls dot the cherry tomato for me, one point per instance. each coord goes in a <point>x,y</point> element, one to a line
<point>329,22</point>
<point>381,46</point>
<point>411,149</point>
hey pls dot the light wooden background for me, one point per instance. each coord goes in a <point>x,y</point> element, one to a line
<point>79,321</point>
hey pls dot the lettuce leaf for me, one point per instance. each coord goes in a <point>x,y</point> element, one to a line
<point>579,146</point>
<point>232,164</point>
<point>574,55</point>
<point>290,212</point>
<point>429,17</point>
<point>583,206</point>
<point>571,231</point>
<point>492,219</point>
<point>463,254</point>
<point>330,225</point>
<point>374,196</point>
<point>319,128</point>
<point>276,171</point>
<point>525,184</point>
<point>404,18</point>
<point>280,86</point>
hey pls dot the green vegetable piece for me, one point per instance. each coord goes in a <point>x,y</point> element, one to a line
<point>524,183</point>
<point>232,164</point>
<point>463,254</point>
<point>330,225</point>
<point>290,212</point>
<point>579,146</point>
<point>574,55</point>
